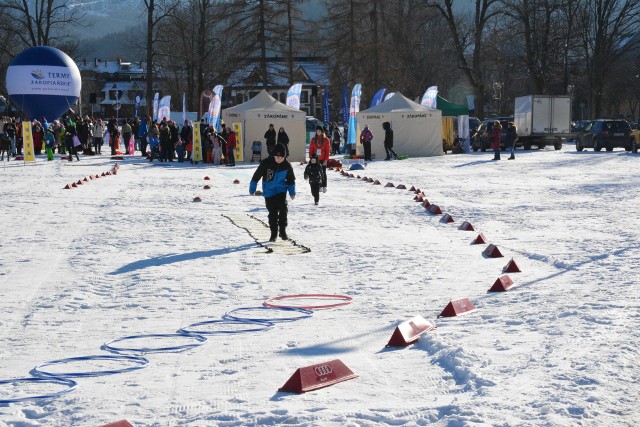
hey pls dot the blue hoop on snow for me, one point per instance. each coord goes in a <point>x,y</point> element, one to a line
<point>200,340</point>
<point>59,381</point>
<point>304,314</point>
<point>262,325</point>
<point>139,363</point>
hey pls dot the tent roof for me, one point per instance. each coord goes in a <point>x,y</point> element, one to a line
<point>397,102</point>
<point>448,108</point>
<point>262,101</point>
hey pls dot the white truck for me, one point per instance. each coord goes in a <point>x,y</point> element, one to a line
<point>542,120</point>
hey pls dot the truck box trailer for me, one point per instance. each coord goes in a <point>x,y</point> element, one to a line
<point>542,120</point>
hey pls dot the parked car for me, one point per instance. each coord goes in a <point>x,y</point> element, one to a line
<point>481,140</point>
<point>576,127</point>
<point>605,133</point>
<point>474,124</point>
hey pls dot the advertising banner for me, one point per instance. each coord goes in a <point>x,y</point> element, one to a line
<point>216,107</point>
<point>164,111</point>
<point>377,98</point>
<point>27,139</point>
<point>293,96</point>
<point>429,99</point>
<point>197,143</point>
<point>354,107</point>
<point>237,152</point>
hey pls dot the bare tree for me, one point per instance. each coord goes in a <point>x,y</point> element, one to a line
<point>156,11</point>
<point>539,25</point>
<point>343,39</point>
<point>43,22</point>
<point>468,34</point>
<point>608,30</point>
<point>194,47</point>
<point>289,32</point>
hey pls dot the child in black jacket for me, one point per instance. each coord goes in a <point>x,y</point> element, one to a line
<point>315,175</point>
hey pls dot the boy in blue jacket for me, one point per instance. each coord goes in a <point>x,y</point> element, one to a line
<point>277,179</point>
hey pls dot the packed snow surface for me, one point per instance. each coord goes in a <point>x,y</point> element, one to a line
<point>133,254</point>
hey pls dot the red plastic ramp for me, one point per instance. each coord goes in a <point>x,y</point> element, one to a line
<point>446,218</point>
<point>480,240</point>
<point>408,332</point>
<point>121,423</point>
<point>511,267</point>
<point>466,226</point>
<point>435,209</point>
<point>501,284</point>
<point>318,376</point>
<point>492,251</point>
<point>457,307</point>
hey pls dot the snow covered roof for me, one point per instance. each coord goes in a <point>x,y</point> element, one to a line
<point>305,72</point>
<point>124,86</point>
<point>110,67</point>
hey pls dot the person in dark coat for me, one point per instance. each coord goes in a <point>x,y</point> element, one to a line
<point>277,178</point>
<point>70,132</point>
<point>174,133</point>
<point>114,132</point>
<point>83,135</point>
<point>388,141</point>
<point>283,139</point>
<point>231,147</point>
<point>5,146</point>
<point>270,137</point>
<point>224,135</point>
<point>365,139</point>
<point>315,175</point>
<point>512,137</point>
<point>165,142</point>
<point>186,134</point>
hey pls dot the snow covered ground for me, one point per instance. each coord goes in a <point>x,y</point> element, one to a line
<point>133,254</point>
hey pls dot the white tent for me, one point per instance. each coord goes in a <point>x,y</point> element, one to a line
<point>417,131</point>
<point>255,116</point>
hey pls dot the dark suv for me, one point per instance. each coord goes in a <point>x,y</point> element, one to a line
<point>604,133</point>
<point>482,139</point>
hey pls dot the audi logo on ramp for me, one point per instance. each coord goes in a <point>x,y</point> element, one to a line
<point>323,370</point>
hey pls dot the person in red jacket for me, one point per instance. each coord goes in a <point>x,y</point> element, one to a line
<point>231,146</point>
<point>321,146</point>
<point>496,135</point>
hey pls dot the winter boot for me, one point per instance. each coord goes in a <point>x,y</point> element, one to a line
<point>274,234</point>
<point>512,157</point>
<point>283,234</point>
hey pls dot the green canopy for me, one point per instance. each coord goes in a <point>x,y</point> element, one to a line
<point>448,108</point>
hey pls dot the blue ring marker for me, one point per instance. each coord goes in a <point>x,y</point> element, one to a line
<point>59,381</point>
<point>304,314</point>
<point>200,340</point>
<point>262,325</point>
<point>139,363</point>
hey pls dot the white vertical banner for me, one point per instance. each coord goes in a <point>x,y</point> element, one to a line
<point>217,107</point>
<point>184,107</point>
<point>471,104</point>
<point>463,133</point>
<point>164,108</point>
<point>430,98</point>
<point>155,105</point>
<point>293,96</point>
